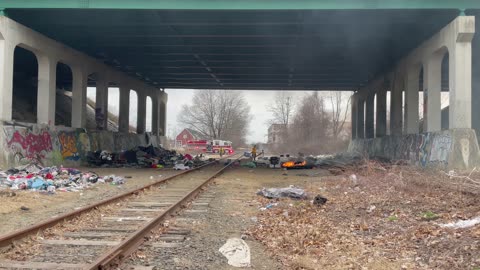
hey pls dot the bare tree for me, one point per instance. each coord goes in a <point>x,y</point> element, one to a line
<point>218,114</point>
<point>281,108</point>
<point>339,112</point>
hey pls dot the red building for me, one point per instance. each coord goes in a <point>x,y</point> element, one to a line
<point>188,135</point>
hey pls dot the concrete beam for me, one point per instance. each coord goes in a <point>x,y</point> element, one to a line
<point>79,97</point>
<point>361,118</point>
<point>155,113</point>
<point>354,115</point>
<point>432,118</point>
<point>411,101</point>
<point>456,39</point>
<point>13,34</point>
<point>46,95</point>
<point>370,116</point>
<point>101,104</point>
<point>6,78</point>
<point>124,112</point>
<point>381,128</point>
<point>163,113</point>
<point>396,103</point>
<point>460,84</point>
<point>141,112</point>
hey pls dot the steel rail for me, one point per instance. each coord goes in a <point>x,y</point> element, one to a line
<point>8,238</point>
<point>114,257</point>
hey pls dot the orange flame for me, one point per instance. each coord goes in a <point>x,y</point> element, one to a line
<point>292,164</point>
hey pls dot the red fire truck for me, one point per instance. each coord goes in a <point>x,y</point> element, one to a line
<point>210,146</point>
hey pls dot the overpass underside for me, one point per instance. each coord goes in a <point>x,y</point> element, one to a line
<point>401,50</point>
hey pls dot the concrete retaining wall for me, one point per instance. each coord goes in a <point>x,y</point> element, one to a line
<point>448,149</point>
<point>23,143</point>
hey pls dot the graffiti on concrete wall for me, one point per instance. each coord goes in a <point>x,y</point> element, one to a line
<point>68,145</point>
<point>28,144</point>
<point>441,147</point>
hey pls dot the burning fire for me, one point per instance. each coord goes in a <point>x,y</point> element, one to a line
<point>293,164</point>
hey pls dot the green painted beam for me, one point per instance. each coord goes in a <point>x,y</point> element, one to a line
<point>242,4</point>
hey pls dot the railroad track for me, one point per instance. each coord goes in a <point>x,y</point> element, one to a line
<point>103,235</point>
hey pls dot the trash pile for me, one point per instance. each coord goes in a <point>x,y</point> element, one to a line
<point>143,157</point>
<point>52,179</point>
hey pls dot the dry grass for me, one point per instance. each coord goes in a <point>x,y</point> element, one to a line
<point>380,221</point>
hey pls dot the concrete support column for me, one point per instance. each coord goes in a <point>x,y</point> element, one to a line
<point>354,115</point>
<point>411,101</point>
<point>141,112</point>
<point>79,97</point>
<point>101,104</point>
<point>432,83</point>
<point>163,114</point>
<point>47,88</point>
<point>396,100</point>
<point>370,116</point>
<point>361,118</point>
<point>460,84</point>
<point>155,113</point>
<point>6,79</point>
<point>381,128</point>
<point>124,112</point>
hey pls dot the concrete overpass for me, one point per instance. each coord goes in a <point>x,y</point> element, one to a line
<point>368,46</point>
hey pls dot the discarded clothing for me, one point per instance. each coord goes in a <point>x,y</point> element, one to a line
<point>291,192</point>
<point>237,252</point>
<point>249,165</point>
<point>51,179</point>
<point>319,200</point>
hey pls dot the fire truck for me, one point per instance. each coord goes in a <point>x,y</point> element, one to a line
<point>210,146</point>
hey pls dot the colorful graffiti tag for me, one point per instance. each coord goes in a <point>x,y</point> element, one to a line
<point>68,146</point>
<point>29,144</point>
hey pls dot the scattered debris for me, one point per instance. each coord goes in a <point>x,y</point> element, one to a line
<point>268,206</point>
<point>319,200</point>
<point>292,192</point>
<point>462,224</point>
<point>353,178</point>
<point>251,165</point>
<point>274,161</point>
<point>144,157</point>
<point>181,167</point>
<point>51,179</point>
<point>237,252</point>
<point>24,208</point>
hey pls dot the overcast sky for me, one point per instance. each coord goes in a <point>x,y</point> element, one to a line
<point>258,100</point>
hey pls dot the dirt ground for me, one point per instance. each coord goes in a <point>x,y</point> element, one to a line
<point>42,206</point>
<point>386,217</point>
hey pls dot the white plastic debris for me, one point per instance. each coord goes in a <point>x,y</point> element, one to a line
<point>353,178</point>
<point>237,252</point>
<point>462,224</point>
<point>181,167</point>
